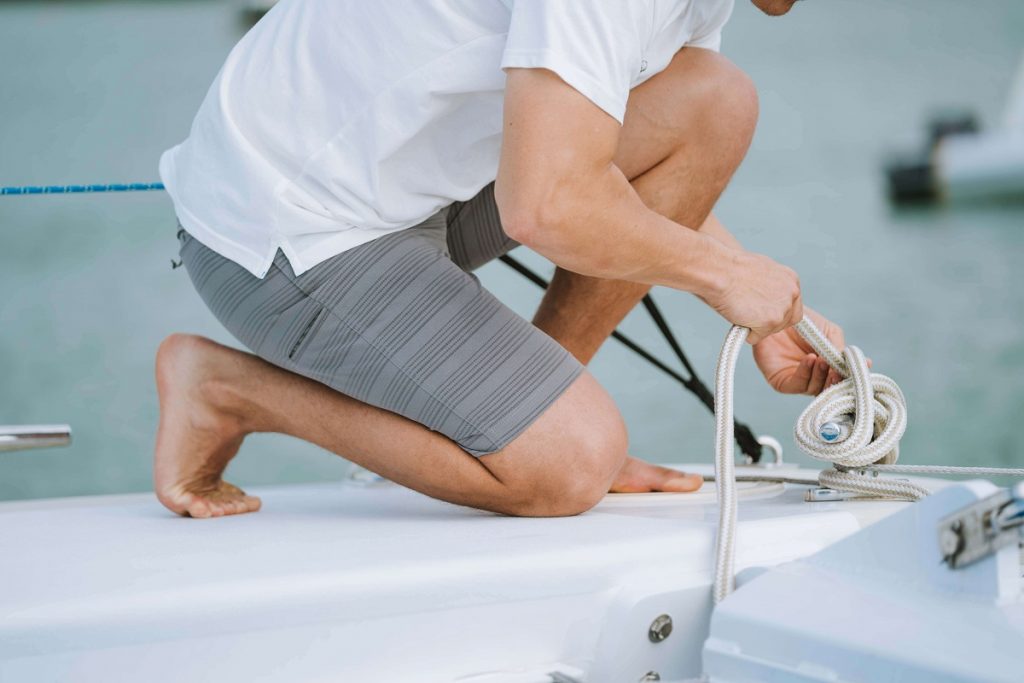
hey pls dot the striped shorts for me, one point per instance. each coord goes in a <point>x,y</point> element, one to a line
<point>400,323</point>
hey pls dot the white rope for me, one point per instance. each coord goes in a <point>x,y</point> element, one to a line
<point>869,406</point>
<point>725,474</point>
<point>948,469</point>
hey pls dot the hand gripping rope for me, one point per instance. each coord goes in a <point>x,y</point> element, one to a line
<point>872,402</point>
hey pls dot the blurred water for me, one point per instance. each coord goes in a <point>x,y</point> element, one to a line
<point>93,92</point>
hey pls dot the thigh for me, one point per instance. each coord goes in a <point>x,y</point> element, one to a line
<point>475,235</point>
<point>396,324</point>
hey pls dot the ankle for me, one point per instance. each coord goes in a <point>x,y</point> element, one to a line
<point>231,413</point>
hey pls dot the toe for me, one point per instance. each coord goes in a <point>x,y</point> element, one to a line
<point>667,479</point>
<point>229,507</point>
<point>239,506</point>
<point>199,508</point>
<point>221,501</point>
<point>638,476</point>
<point>681,482</point>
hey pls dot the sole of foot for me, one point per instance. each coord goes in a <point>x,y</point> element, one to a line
<point>197,436</point>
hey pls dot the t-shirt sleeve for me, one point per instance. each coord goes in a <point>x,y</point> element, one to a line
<point>709,41</point>
<point>709,36</point>
<point>596,47</point>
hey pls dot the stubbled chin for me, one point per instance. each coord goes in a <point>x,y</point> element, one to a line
<point>775,8</point>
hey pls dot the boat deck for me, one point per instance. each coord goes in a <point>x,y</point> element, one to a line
<point>374,580</point>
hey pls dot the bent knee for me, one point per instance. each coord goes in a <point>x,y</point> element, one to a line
<point>578,485</point>
<point>723,93</point>
<point>738,101</point>
<point>572,461</point>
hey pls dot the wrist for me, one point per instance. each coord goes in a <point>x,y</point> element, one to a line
<point>711,271</point>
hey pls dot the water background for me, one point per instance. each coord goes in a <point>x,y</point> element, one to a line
<point>94,91</point>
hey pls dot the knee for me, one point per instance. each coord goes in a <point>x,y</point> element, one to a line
<point>731,104</point>
<point>586,458</point>
<point>739,98</point>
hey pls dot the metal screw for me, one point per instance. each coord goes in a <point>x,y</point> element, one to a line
<point>661,628</point>
<point>830,431</point>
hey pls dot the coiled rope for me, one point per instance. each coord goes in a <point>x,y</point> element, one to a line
<point>872,402</point>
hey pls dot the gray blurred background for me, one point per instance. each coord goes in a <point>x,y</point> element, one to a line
<point>94,91</point>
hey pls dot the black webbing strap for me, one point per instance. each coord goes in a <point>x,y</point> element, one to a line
<point>745,439</point>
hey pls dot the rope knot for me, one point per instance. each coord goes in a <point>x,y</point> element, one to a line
<point>865,416</point>
<point>870,407</point>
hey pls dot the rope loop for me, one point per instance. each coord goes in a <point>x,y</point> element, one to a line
<point>869,406</point>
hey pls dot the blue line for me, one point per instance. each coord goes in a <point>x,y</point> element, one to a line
<point>79,189</point>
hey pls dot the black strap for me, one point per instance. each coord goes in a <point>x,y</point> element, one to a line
<point>744,437</point>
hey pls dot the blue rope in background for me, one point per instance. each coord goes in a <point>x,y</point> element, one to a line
<point>75,189</point>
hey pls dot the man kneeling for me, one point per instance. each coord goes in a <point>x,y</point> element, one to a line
<point>355,161</point>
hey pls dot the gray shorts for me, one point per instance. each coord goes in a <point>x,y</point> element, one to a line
<point>400,323</point>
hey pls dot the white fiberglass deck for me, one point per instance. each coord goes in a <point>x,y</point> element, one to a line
<point>353,583</point>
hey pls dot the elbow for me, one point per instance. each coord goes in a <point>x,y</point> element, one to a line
<point>524,225</point>
<point>541,223</point>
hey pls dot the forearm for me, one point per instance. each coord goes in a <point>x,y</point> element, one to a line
<point>713,228</point>
<point>595,224</point>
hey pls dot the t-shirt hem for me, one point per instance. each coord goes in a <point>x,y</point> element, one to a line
<point>306,259</point>
<point>254,263</point>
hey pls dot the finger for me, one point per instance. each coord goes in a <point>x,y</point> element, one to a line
<point>818,376</point>
<point>833,378</point>
<point>801,379</point>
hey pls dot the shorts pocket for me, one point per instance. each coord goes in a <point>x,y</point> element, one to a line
<point>306,334</point>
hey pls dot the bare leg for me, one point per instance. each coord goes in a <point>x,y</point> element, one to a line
<point>212,396</point>
<point>686,131</point>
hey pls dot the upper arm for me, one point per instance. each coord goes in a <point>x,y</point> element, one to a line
<point>569,67</point>
<point>554,140</point>
<point>595,46</point>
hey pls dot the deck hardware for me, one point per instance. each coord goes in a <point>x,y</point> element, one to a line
<point>982,528</point>
<point>25,437</point>
<point>772,444</point>
<point>649,677</point>
<point>951,542</point>
<point>825,495</point>
<point>661,628</point>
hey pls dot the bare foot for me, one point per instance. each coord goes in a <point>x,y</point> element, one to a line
<point>196,438</point>
<point>637,476</point>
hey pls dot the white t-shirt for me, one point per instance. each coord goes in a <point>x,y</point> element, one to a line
<point>334,122</point>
